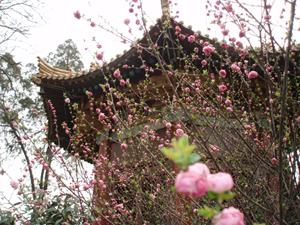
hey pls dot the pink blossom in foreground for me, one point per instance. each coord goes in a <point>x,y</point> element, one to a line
<point>229,109</point>
<point>247,127</point>
<point>179,133</point>
<point>126,21</point>
<point>225,32</point>
<point>182,36</point>
<point>219,182</point>
<point>229,216</point>
<point>222,87</point>
<point>15,124</point>
<point>193,181</point>
<point>274,160</point>
<point>252,74</point>
<point>123,146</point>
<point>208,49</point>
<point>7,107</point>
<point>122,82</point>
<point>67,100</point>
<point>93,24</point>
<point>101,116</point>
<point>191,38</point>
<point>203,62</point>
<point>239,44</point>
<point>227,102</point>
<point>222,73</point>
<point>117,73</point>
<point>235,68</point>
<point>99,56</point>
<point>14,184</point>
<point>242,33</point>
<point>298,119</point>
<point>77,14</point>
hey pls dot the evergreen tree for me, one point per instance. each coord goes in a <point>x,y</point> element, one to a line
<point>66,55</point>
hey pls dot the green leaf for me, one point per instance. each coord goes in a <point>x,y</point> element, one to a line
<point>194,158</point>
<point>226,195</point>
<point>208,212</point>
<point>173,188</point>
<point>212,195</point>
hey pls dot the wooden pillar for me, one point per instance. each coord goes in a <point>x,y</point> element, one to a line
<point>100,191</point>
<point>177,170</point>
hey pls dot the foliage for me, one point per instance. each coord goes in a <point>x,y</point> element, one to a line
<point>66,55</point>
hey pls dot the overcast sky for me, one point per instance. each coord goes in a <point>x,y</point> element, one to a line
<point>59,24</point>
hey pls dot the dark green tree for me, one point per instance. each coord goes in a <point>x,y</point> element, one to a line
<point>66,55</point>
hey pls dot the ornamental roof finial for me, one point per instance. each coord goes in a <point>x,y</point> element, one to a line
<point>165,9</point>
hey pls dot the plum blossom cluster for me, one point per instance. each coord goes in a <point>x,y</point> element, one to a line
<point>197,180</point>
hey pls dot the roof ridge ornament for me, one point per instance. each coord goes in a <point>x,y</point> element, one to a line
<point>165,9</point>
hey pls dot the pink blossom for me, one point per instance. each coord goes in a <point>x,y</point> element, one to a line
<point>247,127</point>
<point>227,102</point>
<point>168,125</point>
<point>99,56</point>
<point>191,38</point>
<point>122,82</point>
<point>123,146</point>
<point>229,8</point>
<point>225,32</point>
<point>93,24</point>
<point>182,36</point>
<point>45,166</point>
<point>100,182</point>
<point>267,17</point>
<point>126,21</point>
<point>179,133</point>
<point>25,137</point>
<point>193,181</point>
<point>15,124</point>
<point>208,49</point>
<point>298,119</point>
<point>235,68</point>
<point>219,182</point>
<point>77,14</point>
<point>134,0</point>
<point>229,216</point>
<point>101,116</point>
<point>14,184</point>
<point>239,44</point>
<point>274,160</point>
<point>178,29</point>
<point>229,109</point>
<point>222,87</point>
<point>7,107</point>
<point>203,62</point>
<point>269,6</point>
<point>119,206</point>
<point>219,98</point>
<point>99,46</point>
<point>271,101</point>
<point>252,74</point>
<point>242,33</point>
<point>67,100</point>
<point>222,73</point>
<point>86,187</point>
<point>117,73</point>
